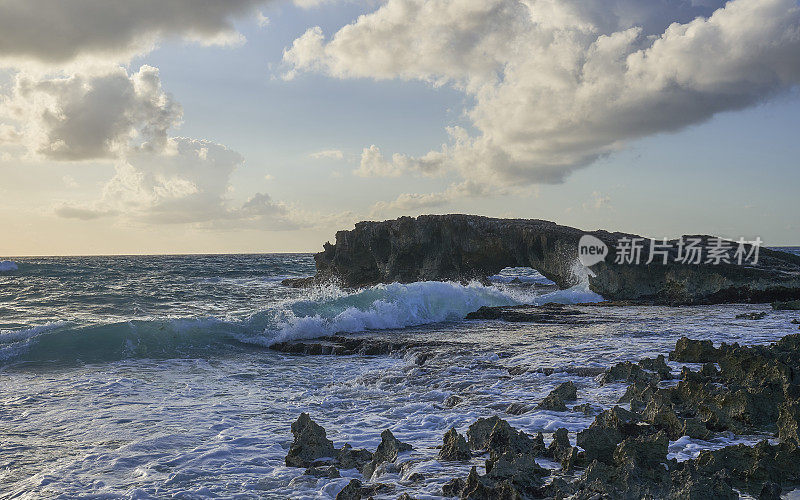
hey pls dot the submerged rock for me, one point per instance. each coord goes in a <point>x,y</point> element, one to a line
<point>550,313</point>
<point>752,316</point>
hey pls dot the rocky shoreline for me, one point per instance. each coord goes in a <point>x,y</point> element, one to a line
<point>623,454</point>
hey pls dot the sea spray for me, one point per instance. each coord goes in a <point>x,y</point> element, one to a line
<point>317,312</point>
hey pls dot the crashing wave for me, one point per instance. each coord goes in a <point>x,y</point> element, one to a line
<point>320,311</point>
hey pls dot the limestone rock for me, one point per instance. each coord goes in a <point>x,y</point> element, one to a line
<point>310,443</point>
<point>454,447</point>
<point>466,247</point>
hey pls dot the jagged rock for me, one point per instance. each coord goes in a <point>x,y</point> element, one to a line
<point>751,467</point>
<point>789,423</point>
<point>694,351</point>
<point>310,443</point>
<point>454,487</point>
<point>369,490</point>
<point>387,451</point>
<point>517,409</point>
<point>628,372</point>
<point>642,452</point>
<point>555,400</point>
<point>406,496</point>
<point>415,477</point>
<point>520,470</point>
<point>563,452</point>
<point>478,432</point>
<point>349,458</point>
<point>609,429</point>
<point>454,447</point>
<point>452,401</point>
<point>465,247</point>
<point>351,491</point>
<point>329,472</point>
<point>688,484</point>
<point>658,365</point>
<point>587,409</point>
<point>663,417</point>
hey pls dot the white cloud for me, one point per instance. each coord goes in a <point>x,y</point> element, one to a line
<point>597,201</point>
<point>329,154</point>
<point>112,30</point>
<point>556,85</point>
<point>84,117</point>
<point>262,20</point>
<point>373,164</point>
<point>412,202</point>
<point>189,182</point>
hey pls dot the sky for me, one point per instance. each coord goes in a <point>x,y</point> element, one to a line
<point>198,126</point>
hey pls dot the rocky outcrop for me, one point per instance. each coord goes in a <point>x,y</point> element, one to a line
<point>466,247</point>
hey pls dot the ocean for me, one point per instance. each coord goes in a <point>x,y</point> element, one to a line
<point>153,377</point>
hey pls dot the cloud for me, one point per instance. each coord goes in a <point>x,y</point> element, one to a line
<point>597,201</point>
<point>82,117</point>
<point>411,202</point>
<point>187,183</point>
<point>330,154</point>
<point>58,32</point>
<point>373,164</point>
<point>556,85</point>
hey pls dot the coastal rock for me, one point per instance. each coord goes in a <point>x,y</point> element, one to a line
<point>555,400</point>
<point>329,472</point>
<point>517,409</point>
<point>628,372</point>
<point>563,452</point>
<point>351,491</point>
<point>350,458</point>
<point>454,447</point>
<point>609,429</point>
<point>387,451</point>
<point>694,351</point>
<point>752,316</point>
<point>467,247</point>
<point>310,443</point>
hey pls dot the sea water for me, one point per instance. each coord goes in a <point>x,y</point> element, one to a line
<point>152,377</point>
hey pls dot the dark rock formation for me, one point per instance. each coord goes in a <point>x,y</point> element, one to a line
<point>752,316</point>
<point>465,247</point>
<point>555,400</point>
<point>310,443</point>
<point>387,451</point>
<point>351,491</point>
<point>454,447</point>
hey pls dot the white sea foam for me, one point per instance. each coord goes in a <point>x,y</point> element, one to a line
<point>381,307</point>
<point>8,266</point>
